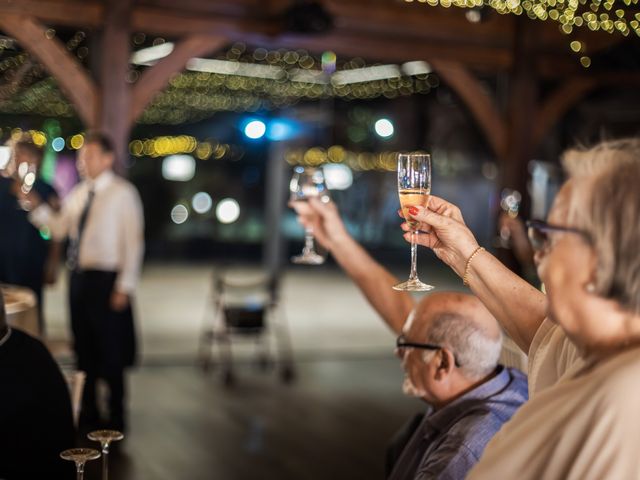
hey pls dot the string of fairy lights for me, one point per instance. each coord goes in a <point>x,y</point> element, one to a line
<point>211,149</point>
<point>286,77</point>
<point>611,16</point>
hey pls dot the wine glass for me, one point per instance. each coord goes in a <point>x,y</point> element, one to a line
<point>80,456</point>
<point>510,204</point>
<point>307,182</point>
<point>105,437</point>
<point>414,188</point>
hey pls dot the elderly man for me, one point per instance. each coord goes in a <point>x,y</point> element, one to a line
<point>102,216</point>
<point>35,408</point>
<point>449,346</point>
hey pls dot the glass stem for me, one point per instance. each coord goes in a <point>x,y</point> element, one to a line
<point>308,240</point>
<point>80,471</point>
<point>105,461</point>
<point>413,275</point>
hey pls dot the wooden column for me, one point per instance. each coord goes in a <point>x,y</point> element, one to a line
<point>114,66</point>
<point>523,96</point>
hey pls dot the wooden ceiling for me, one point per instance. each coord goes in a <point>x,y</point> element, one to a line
<point>378,30</point>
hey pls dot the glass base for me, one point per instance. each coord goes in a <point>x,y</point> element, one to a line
<point>308,258</point>
<point>413,286</point>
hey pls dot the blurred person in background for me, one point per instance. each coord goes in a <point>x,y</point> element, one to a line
<point>36,422</point>
<point>583,339</point>
<point>102,217</point>
<point>449,345</point>
<point>28,257</point>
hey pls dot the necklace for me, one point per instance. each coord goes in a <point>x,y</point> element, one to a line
<point>4,339</point>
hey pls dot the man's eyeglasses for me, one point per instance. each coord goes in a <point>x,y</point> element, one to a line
<point>401,344</point>
<point>538,233</point>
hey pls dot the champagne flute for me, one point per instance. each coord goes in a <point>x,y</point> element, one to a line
<point>307,182</point>
<point>80,456</point>
<point>414,188</point>
<point>105,437</point>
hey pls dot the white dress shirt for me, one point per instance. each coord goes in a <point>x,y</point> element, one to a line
<point>112,239</point>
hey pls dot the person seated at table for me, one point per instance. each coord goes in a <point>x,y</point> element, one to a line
<point>36,422</point>
<point>449,345</point>
<point>27,258</point>
<point>580,422</point>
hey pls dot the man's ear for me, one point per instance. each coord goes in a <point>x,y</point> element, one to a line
<point>446,363</point>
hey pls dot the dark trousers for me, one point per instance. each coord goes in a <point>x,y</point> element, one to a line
<point>104,340</point>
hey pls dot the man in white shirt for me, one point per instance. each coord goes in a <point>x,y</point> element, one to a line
<point>102,217</point>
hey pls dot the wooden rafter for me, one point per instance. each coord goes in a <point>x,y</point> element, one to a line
<point>156,78</point>
<point>479,102</point>
<point>73,80</point>
<point>558,103</point>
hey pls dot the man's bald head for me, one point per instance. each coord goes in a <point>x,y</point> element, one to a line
<point>461,323</point>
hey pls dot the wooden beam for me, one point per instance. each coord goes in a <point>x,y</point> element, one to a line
<point>178,23</point>
<point>156,78</point>
<point>393,49</point>
<point>479,102</point>
<point>558,103</point>
<point>114,66</point>
<point>71,13</point>
<point>72,78</point>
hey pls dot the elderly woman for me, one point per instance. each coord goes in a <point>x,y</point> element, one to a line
<point>580,422</point>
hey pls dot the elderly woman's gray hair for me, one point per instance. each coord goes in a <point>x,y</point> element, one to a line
<point>607,208</point>
<point>585,162</point>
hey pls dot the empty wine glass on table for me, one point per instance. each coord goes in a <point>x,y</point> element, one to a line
<point>414,188</point>
<point>80,456</point>
<point>105,437</point>
<point>306,183</point>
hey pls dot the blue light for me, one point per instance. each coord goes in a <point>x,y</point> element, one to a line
<point>57,144</point>
<point>255,129</point>
<point>282,129</point>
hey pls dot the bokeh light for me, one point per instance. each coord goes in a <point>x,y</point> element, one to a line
<point>178,168</point>
<point>179,214</point>
<point>227,211</point>
<point>255,129</point>
<point>201,202</point>
<point>57,144</point>
<point>384,128</point>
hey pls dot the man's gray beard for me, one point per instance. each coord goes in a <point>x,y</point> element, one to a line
<point>409,389</point>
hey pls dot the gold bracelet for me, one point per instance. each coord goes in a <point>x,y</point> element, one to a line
<point>465,277</point>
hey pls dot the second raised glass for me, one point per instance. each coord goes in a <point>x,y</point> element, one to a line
<point>306,183</point>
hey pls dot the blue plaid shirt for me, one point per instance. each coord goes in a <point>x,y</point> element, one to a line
<point>449,441</point>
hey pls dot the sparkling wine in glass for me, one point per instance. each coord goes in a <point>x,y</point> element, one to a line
<point>414,188</point>
<point>105,437</point>
<point>307,182</point>
<point>80,456</point>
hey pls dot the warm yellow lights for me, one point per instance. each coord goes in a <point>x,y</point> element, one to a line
<point>585,61</point>
<point>76,141</point>
<point>182,144</point>
<point>363,161</point>
<point>575,46</point>
<point>593,14</point>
